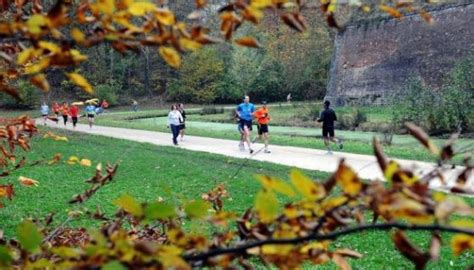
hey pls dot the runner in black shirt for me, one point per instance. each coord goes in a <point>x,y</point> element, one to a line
<point>182,127</point>
<point>328,116</point>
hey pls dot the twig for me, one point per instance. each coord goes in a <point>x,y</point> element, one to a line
<point>329,236</point>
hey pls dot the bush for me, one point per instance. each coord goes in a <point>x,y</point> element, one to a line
<point>211,110</point>
<point>108,92</point>
<point>352,120</point>
<point>30,97</point>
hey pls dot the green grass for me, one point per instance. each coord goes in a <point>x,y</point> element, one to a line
<point>147,172</point>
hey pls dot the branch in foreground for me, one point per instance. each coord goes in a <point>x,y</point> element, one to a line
<point>329,236</point>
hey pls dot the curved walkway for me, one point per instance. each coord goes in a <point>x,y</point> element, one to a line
<point>311,159</point>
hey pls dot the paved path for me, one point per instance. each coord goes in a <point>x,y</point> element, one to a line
<point>305,158</point>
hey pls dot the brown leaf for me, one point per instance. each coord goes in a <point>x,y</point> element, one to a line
<point>409,251</point>
<point>426,16</point>
<point>40,81</point>
<point>341,262</point>
<point>201,3</point>
<point>381,159</point>
<point>435,246</point>
<point>348,253</point>
<point>422,137</point>
<point>248,42</point>
<point>290,20</point>
<point>10,91</point>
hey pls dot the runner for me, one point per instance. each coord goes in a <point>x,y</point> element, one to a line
<point>90,111</point>
<point>328,116</point>
<point>174,121</point>
<point>44,112</point>
<point>56,109</point>
<point>65,112</point>
<point>182,127</point>
<point>288,98</point>
<point>245,111</point>
<point>263,118</point>
<point>74,112</point>
<point>134,105</point>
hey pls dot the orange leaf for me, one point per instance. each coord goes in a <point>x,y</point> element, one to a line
<point>200,3</point>
<point>27,181</point>
<point>248,42</point>
<point>171,56</point>
<point>391,11</point>
<point>40,81</point>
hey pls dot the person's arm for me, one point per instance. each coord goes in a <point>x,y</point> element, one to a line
<point>180,116</point>
<point>169,119</point>
<point>321,117</point>
<point>335,117</point>
<point>237,111</point>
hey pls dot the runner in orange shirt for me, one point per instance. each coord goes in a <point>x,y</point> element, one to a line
<point>65,112</point>
<point>263,118</point>
<point>56,109</point>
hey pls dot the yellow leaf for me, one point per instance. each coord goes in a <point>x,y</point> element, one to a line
<point>189,44</point>
<point>77,56</point>
<point>333,202</point>
<point>348,180</point>
<point>41,82</point>
<point>463,223</point>
<point>277,185</point>
<point>106,6</point>
<point>266,205</point>
<point>35,23</point>
<point>38,66</point>
<point>261,3</point>
<point>129,204</point>
<point>461,243</point>
<point>306,187</point>
<point>24,56</point>
<point>165,16</point>
<point>72,160</point>
<point>390,10</point>
<point>86,162</point>
<point>391,169</point>
<point>80,81</point>
<point>49,46</point>
<point>140,8</point>
<point>171,56</point>
<point>77,35</point>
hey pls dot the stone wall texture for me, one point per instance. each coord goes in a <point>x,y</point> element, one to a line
<point>372,60</point>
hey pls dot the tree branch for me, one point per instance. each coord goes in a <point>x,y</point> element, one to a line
<point>329,236</point>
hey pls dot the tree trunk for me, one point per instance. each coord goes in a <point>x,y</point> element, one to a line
<point>146,75</point>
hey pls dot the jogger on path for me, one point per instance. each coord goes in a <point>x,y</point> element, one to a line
<point>263,118</point>
<point>245,112</point>
<point>328,116</point>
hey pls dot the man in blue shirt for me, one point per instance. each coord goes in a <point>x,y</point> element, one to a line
<point>245,113</point>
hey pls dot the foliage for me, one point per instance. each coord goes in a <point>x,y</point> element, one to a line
<point>211,110</point>
<point>108,92</point>
<point>439,111</point>
<point>200,78</point>
<point>30,97</point>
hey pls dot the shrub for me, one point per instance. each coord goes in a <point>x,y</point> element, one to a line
<point>211,110</point>
<point>353,119</point>
<point>30,97</point>
<point>108,92</point>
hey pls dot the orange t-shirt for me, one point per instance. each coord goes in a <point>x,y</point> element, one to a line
<point>65,109</point>
<point>262,116</point>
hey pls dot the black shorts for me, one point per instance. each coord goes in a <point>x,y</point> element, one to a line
<point>182,126</point>
<point>44,115</point>
<point>74,120</point>
<point>90,116</point>
<point>328,131</point>
<point>245,123</point>
<point>262,128</point>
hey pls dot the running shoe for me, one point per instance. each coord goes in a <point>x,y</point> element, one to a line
<point>266,151</point>
<point>251,151</point>
<point>340,143</point>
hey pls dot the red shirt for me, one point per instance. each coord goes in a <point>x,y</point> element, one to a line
<point>74,111</point>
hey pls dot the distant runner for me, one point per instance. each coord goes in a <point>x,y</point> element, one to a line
<point>263,117</point>
<point>56,109</point>
<point>182,127</point>
<point>174,122</point>
<point>74,113</point>
<point>65,112</point>
<point>245,112</point>
<point>134,105</point>
<point>90,111</point>
<point>44,112</point>
<point>328,116</point>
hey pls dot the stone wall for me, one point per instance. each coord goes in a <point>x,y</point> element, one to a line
<point>371,61</point>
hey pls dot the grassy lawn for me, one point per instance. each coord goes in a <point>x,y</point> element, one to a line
<point>147,172</point>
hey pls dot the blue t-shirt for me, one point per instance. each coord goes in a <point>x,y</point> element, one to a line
<point>246,111</point>
<point>90,109</point>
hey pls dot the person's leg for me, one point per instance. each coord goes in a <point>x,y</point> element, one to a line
<point>64,119</point>
<point>175,130</point>
<point>181,131</point>
<point>74,122</point>
<point>247,135</point>
<point>266,138</point>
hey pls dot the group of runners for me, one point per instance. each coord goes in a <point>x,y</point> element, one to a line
<point>72,112</point>
<point>246,113</point>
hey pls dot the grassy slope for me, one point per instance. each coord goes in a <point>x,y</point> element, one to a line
<point>148,171</point>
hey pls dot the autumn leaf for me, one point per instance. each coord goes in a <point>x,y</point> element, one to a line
<point>391,11</point>
<point>277,185</point>
<point>189,44</point>
<point>7,191</point>
<point>38,66</point>
<point>80,81</point>
<point>248,42</point>
<point>196,209</point>
<point>266,205</point>
<point>106,6</point>
<point>72,160</point>
<point>140,8</point>
<point>422,137</point>
<point>461,243</point>
<point>40,81</point>
<point>29,236</point>
<point>159,210</point>
<point>201,3</point>
<point>56,159</point>
<point>77,35</point>
<point>85,162</point>
<point>171,56</point>
<point>348,180</point>
<point>130,205</point>
<point>306,187</point>
<point>35,22</point>
<point>24,56</point>
<point>165,16</point>
<point>28,181</point>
